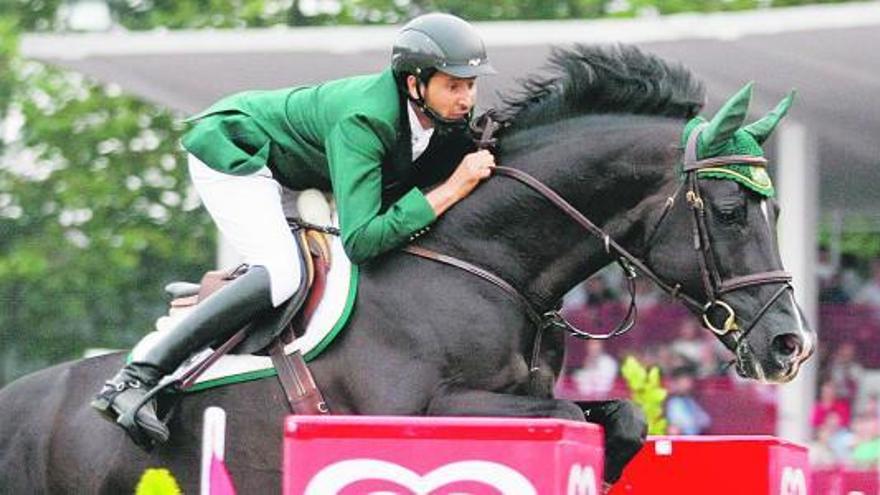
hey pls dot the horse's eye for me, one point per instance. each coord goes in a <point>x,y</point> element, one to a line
<point>732,211</point>
<point>736,215</point>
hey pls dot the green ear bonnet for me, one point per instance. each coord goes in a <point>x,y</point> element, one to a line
<point>725,135</point>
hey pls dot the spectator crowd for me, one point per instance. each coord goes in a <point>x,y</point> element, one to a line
<point>706,396</point>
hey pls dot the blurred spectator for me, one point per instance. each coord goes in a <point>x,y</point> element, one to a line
<point>762,392</point>
<point>832,292</point>
<point>592,292</point>
<point>829,403</point>
<point>597,373</point>
<point>825,265</point>
<point>574,300</point>
<point>840,439</point>
<point>647,355</point>
<point>844,371</point>
<point>866,448</point>
<point>688,344</point>
<point>668,360</point>
<point>683,413</point>
<point>871,406</point>
<point>850,279</point>
<point>661,356</point>
<point>821,453</point>
<point>597,292</point>
<point>830,281</point>
<point>870,292</point>
<point>647,294</point>
<point>699,348</point>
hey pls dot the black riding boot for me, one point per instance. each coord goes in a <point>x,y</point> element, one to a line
<point>217,317</point>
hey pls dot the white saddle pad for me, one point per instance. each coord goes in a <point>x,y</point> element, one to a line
<point>328,320</point>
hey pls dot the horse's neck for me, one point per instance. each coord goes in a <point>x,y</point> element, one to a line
<point>611,173</point>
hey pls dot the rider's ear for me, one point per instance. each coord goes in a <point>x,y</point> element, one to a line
<point>411,85</point>
<point>725,123</point>
<point>762,129</point>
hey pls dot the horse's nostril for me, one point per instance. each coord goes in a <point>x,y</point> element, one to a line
<point>787,344</point>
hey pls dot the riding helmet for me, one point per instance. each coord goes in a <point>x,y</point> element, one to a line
<point>442,42</point>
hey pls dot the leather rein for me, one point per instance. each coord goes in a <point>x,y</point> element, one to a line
<point>714,286</point>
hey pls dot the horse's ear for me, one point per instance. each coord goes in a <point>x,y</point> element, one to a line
<point>762,129</point>
<point>726,122</point>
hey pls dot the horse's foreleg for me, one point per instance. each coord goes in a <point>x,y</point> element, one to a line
<point>483,403</point>
<point>625,431</point>
<point>623,421</point>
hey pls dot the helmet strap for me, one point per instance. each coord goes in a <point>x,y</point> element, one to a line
<point>442,123</point>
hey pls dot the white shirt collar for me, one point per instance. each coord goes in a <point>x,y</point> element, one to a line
<point>420,136</point>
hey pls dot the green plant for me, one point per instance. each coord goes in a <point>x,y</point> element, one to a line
<point>157,482</point>
<point>646,391</point>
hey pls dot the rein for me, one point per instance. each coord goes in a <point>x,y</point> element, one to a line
<point>713,284</point>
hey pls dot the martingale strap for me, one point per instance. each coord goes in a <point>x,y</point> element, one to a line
<point>480,272</point>
<point>540,322</point>
<point>552,318</point>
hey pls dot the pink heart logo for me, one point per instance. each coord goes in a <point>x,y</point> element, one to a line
<point>336,477</point>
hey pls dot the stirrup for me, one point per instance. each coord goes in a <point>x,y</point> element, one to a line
<point>128,420</point>
<point>103,402</point>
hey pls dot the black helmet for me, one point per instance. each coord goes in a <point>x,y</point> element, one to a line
<point>442,42</point>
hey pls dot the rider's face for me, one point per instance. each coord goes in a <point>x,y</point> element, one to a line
<point>451,97</point>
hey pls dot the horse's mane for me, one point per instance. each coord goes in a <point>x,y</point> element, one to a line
<point>616,79</point>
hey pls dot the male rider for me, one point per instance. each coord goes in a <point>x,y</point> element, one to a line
<point>391,147</point>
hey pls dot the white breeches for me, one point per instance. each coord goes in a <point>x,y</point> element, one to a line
<point>247,210</point>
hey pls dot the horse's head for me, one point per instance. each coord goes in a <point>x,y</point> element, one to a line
<point>596,133</point>
<point>717,239</point>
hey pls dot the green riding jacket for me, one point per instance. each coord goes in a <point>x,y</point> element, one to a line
<point>337,137</point>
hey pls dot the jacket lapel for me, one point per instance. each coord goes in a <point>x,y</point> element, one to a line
<point>397,167</point>
<point>435,164</point>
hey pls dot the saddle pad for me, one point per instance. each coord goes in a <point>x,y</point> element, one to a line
<point>328,320</point>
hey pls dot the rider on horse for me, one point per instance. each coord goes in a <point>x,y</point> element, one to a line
<point>376,142</point>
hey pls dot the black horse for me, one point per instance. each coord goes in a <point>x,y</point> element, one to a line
<point>427,339</point>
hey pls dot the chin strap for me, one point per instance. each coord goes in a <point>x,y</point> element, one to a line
<point>439,121</point>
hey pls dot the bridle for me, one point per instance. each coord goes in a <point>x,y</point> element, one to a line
<point>715,288</point>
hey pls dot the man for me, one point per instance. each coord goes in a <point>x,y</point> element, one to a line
<point>685,415</point>
<point>391,147</point>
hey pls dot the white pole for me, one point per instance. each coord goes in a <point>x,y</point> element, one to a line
<point>797,181</point>
<point>213,444</point>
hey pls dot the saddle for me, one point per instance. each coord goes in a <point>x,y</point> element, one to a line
<point>271,331</point>
<point>287,321</point>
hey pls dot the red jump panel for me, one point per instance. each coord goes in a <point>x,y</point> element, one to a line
<point>350,455</point>
<point>725,465</point>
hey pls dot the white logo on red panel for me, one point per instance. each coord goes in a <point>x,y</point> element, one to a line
<point>581,481</point>
<point>794,482</point>
<point>339,475</point>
